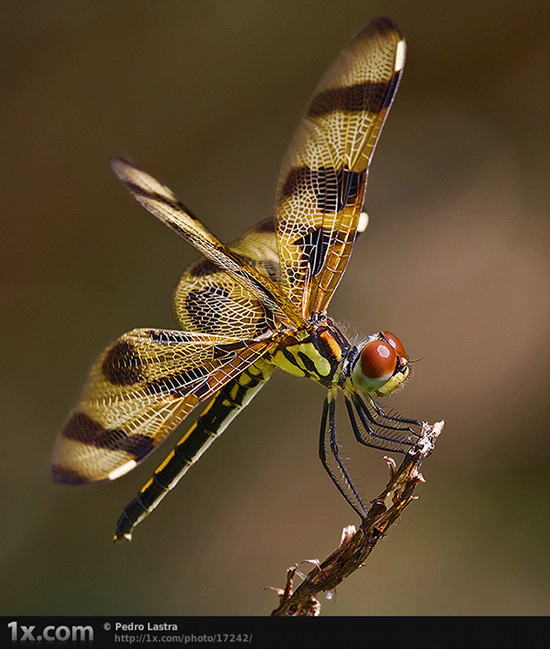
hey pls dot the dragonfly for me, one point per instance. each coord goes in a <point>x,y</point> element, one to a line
<point>254,305</point>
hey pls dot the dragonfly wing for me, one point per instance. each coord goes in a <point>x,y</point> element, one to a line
<point>162,203</point>
<point>138,391</point>
<point>322,181</point>
<point>209,300</point>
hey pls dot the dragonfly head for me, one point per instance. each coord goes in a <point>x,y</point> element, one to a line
<point>381,366</point>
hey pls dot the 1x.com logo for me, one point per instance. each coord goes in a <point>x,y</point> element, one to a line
<point>61,633</point>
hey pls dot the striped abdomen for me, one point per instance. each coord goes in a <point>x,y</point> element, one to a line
<point>219,413</point>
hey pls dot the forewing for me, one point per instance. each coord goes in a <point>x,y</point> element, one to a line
<point>322,181</point>
<point>211,301</point>
<point>138,391</point>
<point>162,203</point>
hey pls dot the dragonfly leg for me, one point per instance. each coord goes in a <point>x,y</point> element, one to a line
<point>370,432</point>
<point>328,434</point>
<point>398,419</point>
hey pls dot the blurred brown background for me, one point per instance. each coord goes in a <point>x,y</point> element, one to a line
<point>205,96</point>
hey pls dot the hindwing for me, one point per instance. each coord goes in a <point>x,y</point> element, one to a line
<point>138,391</point>
<point>211,301</point>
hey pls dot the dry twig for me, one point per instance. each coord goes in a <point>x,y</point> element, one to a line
<point>356,545</point>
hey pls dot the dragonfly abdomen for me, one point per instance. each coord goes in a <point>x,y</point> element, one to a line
<point>219,413</point>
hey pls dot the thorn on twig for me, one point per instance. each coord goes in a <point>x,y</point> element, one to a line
<point>287,592</point>
<point>347,533</point>
<point>392,466</point>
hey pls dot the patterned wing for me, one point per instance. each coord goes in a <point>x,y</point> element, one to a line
<point>161,202</point>
<point>323,177</point>
<point>138,391</point>
<point>211,301</point>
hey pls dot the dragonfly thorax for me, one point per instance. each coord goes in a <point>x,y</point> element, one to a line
<point>381,365</point>
<point>318,353</point>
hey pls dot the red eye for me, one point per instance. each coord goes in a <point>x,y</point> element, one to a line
<point>378,359</point>
<point>395,343</point>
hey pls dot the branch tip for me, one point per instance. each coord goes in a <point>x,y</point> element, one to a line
<point>357,544</point>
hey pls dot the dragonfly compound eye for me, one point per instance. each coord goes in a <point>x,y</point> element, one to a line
<point>381,365</point>
<point>378,360</point>
<point>395,343</point>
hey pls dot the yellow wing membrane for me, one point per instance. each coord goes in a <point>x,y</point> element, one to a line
<point>138,391</point>
<point>322,181</point>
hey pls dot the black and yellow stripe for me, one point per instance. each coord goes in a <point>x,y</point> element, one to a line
<point>317,356</point>
<point>219,413</point>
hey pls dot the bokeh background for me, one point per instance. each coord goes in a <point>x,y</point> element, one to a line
<point>205,96</point>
